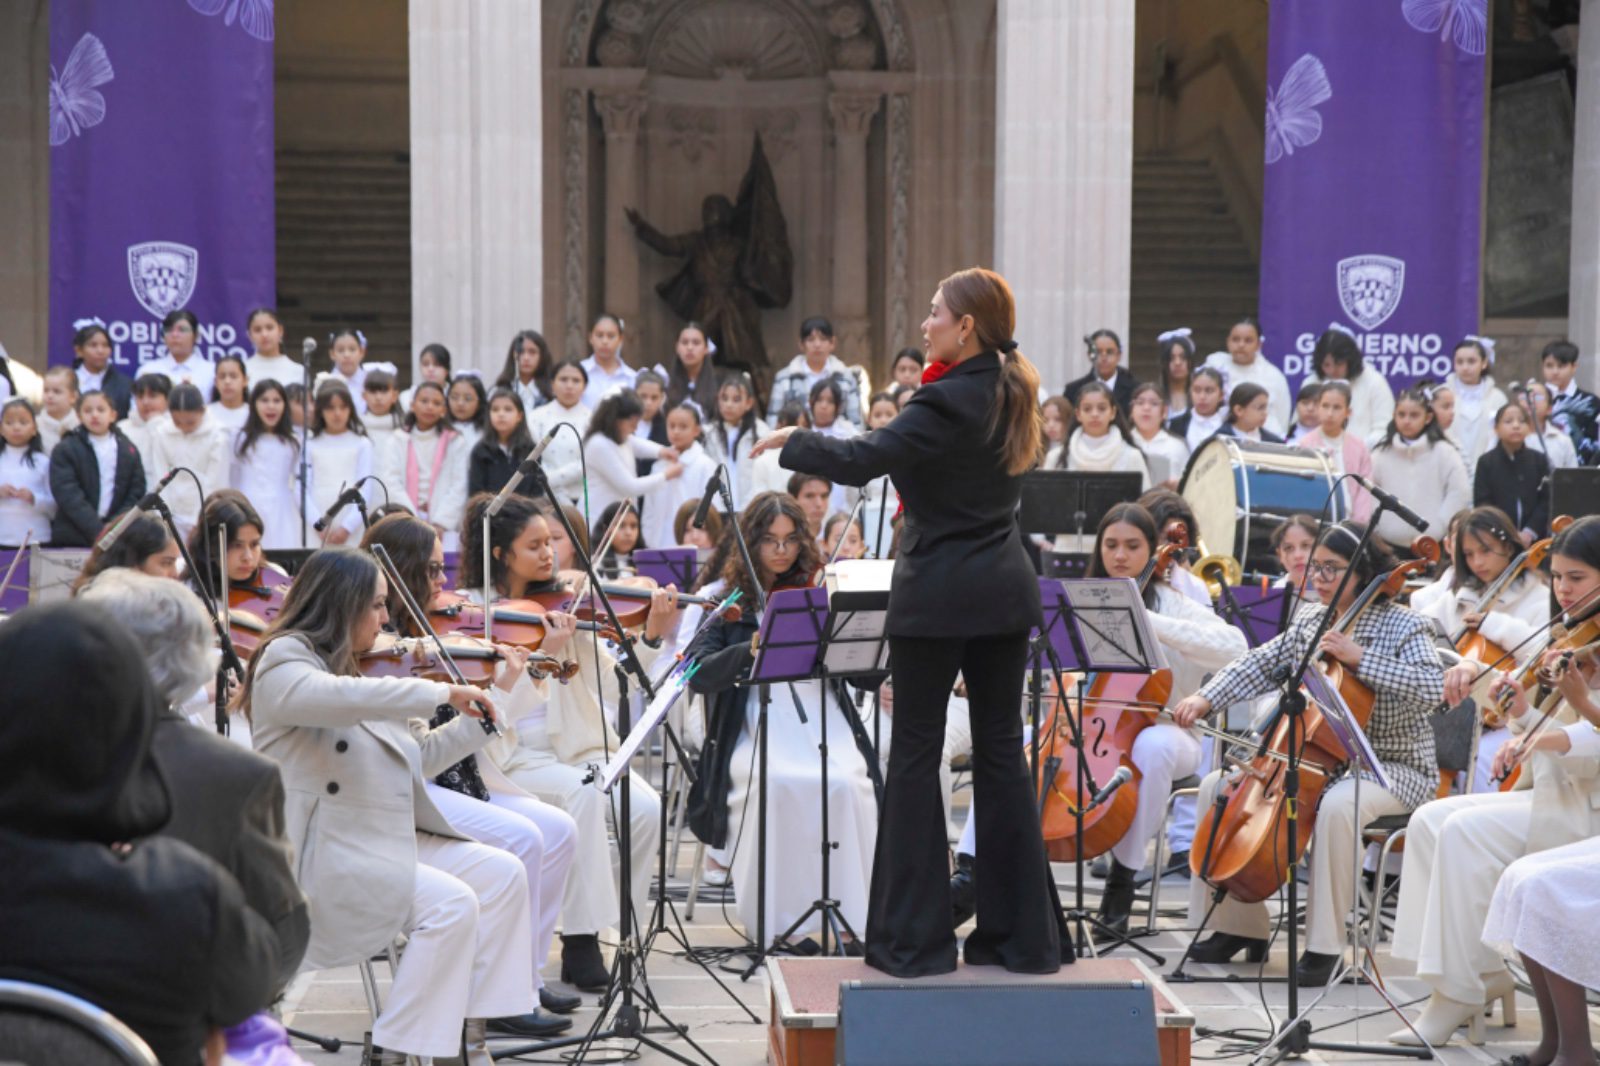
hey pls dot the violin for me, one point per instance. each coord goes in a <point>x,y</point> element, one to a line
<point>1108,732</point>
<point>1247,843</point>
<point>478,662</point>
<point>1471,644</point>
<point>253,605</point>
<point>1579,641</point>
<point>629,596</point>
<point>519,622</point>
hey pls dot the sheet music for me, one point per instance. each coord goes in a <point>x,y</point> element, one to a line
<point>1113,625</point>
<point>667,694</point>
<point>1342,722</point>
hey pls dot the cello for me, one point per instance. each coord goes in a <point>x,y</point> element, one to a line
<point>1248,844</point>
<point>1108,734</point>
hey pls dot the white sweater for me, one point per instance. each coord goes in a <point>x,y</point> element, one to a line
<point>1371,404</point>
<point>1196,642</point>
<point>205,451</point>
<point>1521,609</point>
<point>16,517</point>
<point>441,496</point>
<point>1431,479</point>
<point>662,502</point>
<point>612,474</point>
<point>563,460</point>
<point>339,460</point>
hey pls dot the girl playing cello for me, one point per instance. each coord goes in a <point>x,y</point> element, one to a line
<point>1390,650</point>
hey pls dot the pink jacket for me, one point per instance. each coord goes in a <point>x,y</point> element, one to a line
<point>1355,460</point>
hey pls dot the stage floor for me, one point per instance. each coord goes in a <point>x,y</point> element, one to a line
<point>332,1003</point>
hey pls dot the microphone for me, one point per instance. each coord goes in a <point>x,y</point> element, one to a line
<point>307,347</point>
<point>346,498</point>
<point>1388,500</point>
<point>1118,779</point>
<point>138,510</point>
<point>704,506</point>
<point>523,470</point>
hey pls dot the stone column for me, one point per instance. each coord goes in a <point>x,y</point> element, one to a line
<point>1583,315</point>
<point>477,229</point>
<point>1064,173</point>
<point>852,119</point>
<point>620,113</point>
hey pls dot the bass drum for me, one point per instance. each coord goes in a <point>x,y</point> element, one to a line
<point>1242,490</point>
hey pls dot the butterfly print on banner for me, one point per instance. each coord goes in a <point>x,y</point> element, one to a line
<point>1464,21</point>
<point>1292,119</point>
<point>255,16</point>
<point>75,103</point>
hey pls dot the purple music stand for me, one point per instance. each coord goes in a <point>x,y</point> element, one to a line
<point>668,566</point>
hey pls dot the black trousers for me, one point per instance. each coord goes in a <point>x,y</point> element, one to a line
<point>1020,924</point>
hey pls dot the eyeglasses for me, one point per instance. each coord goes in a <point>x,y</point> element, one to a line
<point>773,544</point>
<point>436,570</point>
<point>1325,571</point>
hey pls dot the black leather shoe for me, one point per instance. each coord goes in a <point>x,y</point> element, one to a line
<point>1315,968</point>
<point>963,892</point>
<point>582,965</point>
<point>536,1024</point>
<point>1222,947</point>
<point>559,1002</point>
<point>1116,902</point>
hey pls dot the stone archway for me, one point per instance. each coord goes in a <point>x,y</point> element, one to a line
<point>659,103</point>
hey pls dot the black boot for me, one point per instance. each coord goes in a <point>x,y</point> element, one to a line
<point>536,1025</point>
<point>1222,947</point>
<point>582,965</point>
<point>559,1002</point>
<point>1315,968</point>
<point>963,892</point>
<point>1116,902</point>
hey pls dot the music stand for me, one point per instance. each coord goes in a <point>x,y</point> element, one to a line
<point>1072,501</point>
<point>1107,630</point>
<point>1259,613</point>
<point>675,566</point>
<point>803,638</point>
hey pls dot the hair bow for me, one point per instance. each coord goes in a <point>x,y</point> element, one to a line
<point>91,321</point>
<point>1342,328</point>
<point>1487,343</point>
<point>711,346</point>
<point>323,378</point>
<point>387,368</point>
<point>470,372</point>
<point>1181,333</point>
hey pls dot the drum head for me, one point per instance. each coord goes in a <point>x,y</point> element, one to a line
<point>1211,491</point>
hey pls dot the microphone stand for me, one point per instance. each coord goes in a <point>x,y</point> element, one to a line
<point>307,348</point>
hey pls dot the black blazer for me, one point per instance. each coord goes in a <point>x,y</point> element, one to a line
<point>1121,392</point>
<point>227,803</point>
<point>489,467</point>
<point>1519,485</point>
<point>961,570</point>
<point>75,483</point>
<point>117,386</point>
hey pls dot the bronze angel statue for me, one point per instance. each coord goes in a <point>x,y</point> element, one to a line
<point>737,263</point>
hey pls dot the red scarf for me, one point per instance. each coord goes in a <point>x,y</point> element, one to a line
<point>934,371</point>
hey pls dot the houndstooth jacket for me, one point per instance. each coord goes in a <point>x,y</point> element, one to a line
<point>1400,665</point>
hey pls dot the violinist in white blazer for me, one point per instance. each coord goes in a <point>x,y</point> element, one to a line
<point>374,856</point>
<point>1457,847</point>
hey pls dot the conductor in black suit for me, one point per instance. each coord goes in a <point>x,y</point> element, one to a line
<point>1105,356</point>
<point>963,598</point>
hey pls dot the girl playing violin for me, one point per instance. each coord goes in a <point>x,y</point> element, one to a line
<point>786,556</point>
<point>473,794</point>
<point>547,750</point>
<point>1389,649</point>
<point>1457,847</point>
<point>1485,545</point>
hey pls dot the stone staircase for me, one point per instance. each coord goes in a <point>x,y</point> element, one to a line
<point>1191,264</point>
<point>344,250</point>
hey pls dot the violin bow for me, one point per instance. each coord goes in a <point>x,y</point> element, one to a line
<point>1511,652</point>
<point>420,619</point>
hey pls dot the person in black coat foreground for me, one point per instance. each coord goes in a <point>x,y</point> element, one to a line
<point>963,599</point>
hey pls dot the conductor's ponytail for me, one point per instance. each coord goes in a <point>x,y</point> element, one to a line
<point>1015,421</point>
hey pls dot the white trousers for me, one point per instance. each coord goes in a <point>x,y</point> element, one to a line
<point>542,837</point>
<point>468,947</point>
<point>1488,744</point>
<point>1333,868</point>
<point>1456,850</point>
<point>590,902</point>
<point>1163,753</point>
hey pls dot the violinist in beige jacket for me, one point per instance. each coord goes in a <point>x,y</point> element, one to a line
<point>375,857</point>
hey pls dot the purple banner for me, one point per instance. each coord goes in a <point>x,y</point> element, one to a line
<point>161,171</point>
<point>1374,135</point>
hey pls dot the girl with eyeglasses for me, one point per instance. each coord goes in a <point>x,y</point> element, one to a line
<point>1389,649</point>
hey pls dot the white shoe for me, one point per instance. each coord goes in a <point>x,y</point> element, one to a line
<point>1439,1021</point>
<point>715,876</point>
<point>1502,986</point>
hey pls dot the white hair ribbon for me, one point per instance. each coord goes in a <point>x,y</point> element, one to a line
<point>1181,333</point>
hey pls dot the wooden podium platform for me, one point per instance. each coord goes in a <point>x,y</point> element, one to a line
<point>804,1002</point>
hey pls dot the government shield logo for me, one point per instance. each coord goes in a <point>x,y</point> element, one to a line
<point>1370,288</point>
<point>163,274</point>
